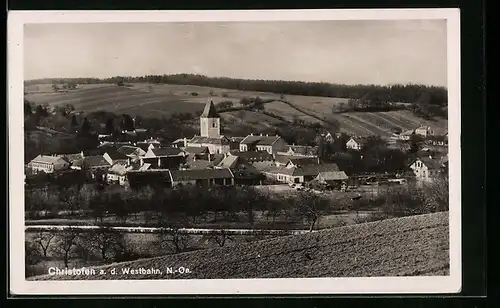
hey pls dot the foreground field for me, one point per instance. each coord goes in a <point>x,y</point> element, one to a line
<point>408,246</point>
<point>150,100</point>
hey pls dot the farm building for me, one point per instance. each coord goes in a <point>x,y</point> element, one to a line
<point>48,164</point>
<point>202,177</point>
<point>333,178</point>
<point>244,172</point>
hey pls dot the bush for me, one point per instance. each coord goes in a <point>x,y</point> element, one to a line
<point>194,93</point>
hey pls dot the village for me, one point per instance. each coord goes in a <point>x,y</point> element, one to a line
<point>212,158</point>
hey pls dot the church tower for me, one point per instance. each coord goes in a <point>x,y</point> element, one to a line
<point>210,122</point>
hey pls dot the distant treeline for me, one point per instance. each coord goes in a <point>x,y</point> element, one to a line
<point>411,93</point>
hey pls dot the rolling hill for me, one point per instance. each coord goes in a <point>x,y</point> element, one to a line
<point>408,246</point>
<point>150,100</point>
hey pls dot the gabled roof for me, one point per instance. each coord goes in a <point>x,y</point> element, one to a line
<point>199,164</point>
<point>313,170</point>
<point>302,149</point>
<point>94,161</point>
<point>71,157</point>
<point>429,162</point>
<point>332,176</point>
<point>229,161</point>
<point>208,140</point>
<point>209,111</point>
<point>167,151</point>
<point>216,158</point>
<point>48,159</point>
<point>253,156</point>
<point>128,149</point>
<point>302,161</point>
<point>201,174</point>
<point>119,169</point>
<point>358,139</point>
<point>196,150</point>
<point>115,154</point>
<point>260,140</point>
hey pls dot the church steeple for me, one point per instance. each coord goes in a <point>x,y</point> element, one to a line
<point>210,121</point>
<point>209,111</point>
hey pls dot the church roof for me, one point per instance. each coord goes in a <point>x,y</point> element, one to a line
<point>209,111</point>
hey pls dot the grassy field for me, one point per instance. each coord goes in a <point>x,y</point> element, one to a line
<point>162,100</point>
<point>409,246</point>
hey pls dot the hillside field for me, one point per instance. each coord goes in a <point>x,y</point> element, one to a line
<point>408,246</point>
<point>152,100</point>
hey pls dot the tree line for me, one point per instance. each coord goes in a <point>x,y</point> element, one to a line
<point>411,93</point>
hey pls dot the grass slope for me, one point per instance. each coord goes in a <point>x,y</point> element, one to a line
<point>162,100</point>
<point>408,246</point>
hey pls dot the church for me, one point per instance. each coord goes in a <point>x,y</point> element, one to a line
<point>210,134</point>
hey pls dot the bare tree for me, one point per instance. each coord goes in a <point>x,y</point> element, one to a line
<point>71,197</point>
<point>221,236</point>
<point>311,207</point>
<point>66,244</point>
<point>102,240</point>
<point>171,236</point>
<point>43,239</point>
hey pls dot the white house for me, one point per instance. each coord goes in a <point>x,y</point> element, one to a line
<point>426,168</point>
<point>48,164</point>
<point>354,143</point>
<point>406,135</point>
<point>424,131</point>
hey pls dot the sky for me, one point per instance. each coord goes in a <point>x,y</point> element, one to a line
<point>345,52</point>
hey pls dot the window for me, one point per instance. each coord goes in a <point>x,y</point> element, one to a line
<point>214,124</point>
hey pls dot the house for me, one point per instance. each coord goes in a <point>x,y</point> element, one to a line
<point>258,159</point>
<point>302,161</point>
<point>180,143</point>
<point>117,173</point>
<point>218,145</point>
<point>202,177</point>
<point>426,168</point>
<point>198,152</point>
<point>424,131</point>
<point>92,163</point>
<point>355,143</point>
<point>156,178</point>
<point>113,156</point>
<point>133,152</point>
<point>270,144</point>
<point>300,150</point>
<point>48,164</point>
<point>71,158</point>
<point>406,135</point>
<point>164,158</point>
<point>305,173</point>
<point>234,143</point>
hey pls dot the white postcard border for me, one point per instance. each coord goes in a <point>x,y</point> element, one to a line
<point>375,285</point>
